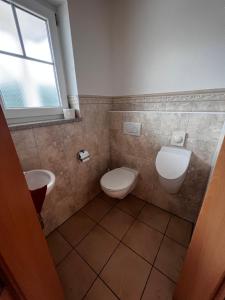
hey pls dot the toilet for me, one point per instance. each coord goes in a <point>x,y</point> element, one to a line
<point>118,183</point>
<point>172,165</point>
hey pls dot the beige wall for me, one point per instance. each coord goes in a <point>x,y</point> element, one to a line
<point>201,116</point>
<point>55,148</point>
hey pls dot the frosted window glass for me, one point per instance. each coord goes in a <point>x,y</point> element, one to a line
<point>35,36</point>
<point>9,39</point>
<point>25,83</point>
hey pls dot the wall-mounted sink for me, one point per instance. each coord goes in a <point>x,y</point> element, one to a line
<point>37,179</point>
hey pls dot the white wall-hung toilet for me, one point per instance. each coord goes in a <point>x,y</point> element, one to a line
<point>118,183</point>
<point>172,165</point>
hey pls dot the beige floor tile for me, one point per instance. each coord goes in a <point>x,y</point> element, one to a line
<point>155,217</point>
<point>158,287</point>
<point>97,208</point>
<point>58,246</point>
<point>76,276</point>
<point>117,222</point>
<point>76,227</point>
<point>170,258</point>
<point>100,291</point>
<point>131,205</point>
<point>143,240</point>
<point>126,273</point>
<point>97,247</point>
<point>180,230</point>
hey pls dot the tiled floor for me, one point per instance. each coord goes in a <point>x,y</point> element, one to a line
<point>124,249</point>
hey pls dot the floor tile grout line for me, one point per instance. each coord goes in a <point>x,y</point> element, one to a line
<point>116,206</point>
<point>80,210</point>
<point>86,234</point>
<point>105,229</point>
<point>99,195</point>
<point>102,216</point>
<point>99,278</point>
<point>182,245</point>
<point>150,226</point>
<point>138,254</point>
<point>136,219</point>
<point>162,240</point>
<point>120,241</point>
<point>164,274</point>
<point>123,243</point>
<point>109,287</point>
<point>117,245</point>
<point>163,233</point>
<point>73,215</point>
<point>92,228</point>
<point>123,210</point>
<point>71,250</point>
<point>153,264</point>
<point>98,274</point>
<point>74,249</point>
<point>150,272</point>
<point>166,211</point>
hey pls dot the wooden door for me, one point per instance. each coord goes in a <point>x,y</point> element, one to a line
<point>5,295</point>
<point>204,268</point>
<point>24,257</point>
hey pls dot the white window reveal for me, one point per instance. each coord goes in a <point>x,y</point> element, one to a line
<point>30,71</point>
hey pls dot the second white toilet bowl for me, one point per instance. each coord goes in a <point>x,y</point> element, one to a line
<point>172,165</point>
<point>118,183</point>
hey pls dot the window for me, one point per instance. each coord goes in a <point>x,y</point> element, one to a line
<point>29,70</point>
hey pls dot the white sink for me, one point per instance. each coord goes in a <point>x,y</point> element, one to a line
<point>36,179</point>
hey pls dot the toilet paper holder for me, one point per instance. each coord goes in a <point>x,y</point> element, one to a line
<point>83,155</point>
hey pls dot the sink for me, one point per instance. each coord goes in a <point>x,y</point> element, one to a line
<point>36,179</point>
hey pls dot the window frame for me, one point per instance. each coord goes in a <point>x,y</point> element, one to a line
<point>22,115</point>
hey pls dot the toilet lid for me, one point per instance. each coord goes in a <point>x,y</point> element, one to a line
<point>118,179</point>
<point>172,164</point>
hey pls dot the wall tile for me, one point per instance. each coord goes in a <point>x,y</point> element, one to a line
<point>208,106</point>
<point>203,130</point>
<point>55,148</point>
<point>205,126</point>
<point>100,132</point>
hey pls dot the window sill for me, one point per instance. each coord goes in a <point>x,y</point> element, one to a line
<point>30,125</point>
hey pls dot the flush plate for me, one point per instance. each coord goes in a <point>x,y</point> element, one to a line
<point>178,138</point>
<point>132,128</point>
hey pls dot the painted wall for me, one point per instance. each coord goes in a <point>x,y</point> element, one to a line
<point>127,47</point>
<point>167,46</point>
<point>91,26</point>
<point>55,148</point>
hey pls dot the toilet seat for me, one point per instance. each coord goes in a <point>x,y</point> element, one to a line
<point>172,163</point>
<point>118,179</point>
